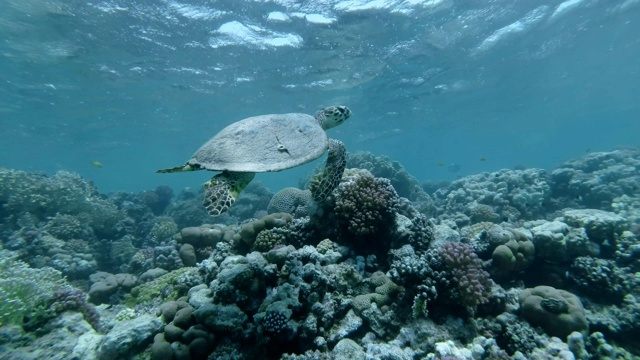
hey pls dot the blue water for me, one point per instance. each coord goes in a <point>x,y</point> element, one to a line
<point>139,85</point>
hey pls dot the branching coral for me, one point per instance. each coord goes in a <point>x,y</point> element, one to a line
<point>24,291</point>
<point>366,205</point>
<point>600,278</point>
<point>472,283</point>
<point>68,298</point>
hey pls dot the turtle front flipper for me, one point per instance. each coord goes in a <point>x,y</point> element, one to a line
<point>181,168</point>
<point>223,189</point>
<point>323,184</point>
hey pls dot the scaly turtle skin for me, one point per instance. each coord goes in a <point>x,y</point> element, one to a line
<point>268,143</point>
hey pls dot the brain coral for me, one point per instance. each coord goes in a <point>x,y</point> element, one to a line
<point>292,201</point>
<point>557,312</point>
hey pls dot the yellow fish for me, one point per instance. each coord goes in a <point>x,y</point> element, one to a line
<point>439,164</point>
<point>97,164</point>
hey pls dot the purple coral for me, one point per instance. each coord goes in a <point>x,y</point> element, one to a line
<point>69,298</point>
<point>472,284</point>
<point>366,205</point>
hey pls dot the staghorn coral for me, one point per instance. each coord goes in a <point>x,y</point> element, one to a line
<point>366,205</point>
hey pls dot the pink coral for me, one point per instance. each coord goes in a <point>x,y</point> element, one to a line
<point>472,283</point>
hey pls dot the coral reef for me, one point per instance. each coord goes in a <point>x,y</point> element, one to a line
<point>596,179</point>
<point>404,183</point>
<point>507,194</point>
<point>517,264</point>
<point>601,279</point>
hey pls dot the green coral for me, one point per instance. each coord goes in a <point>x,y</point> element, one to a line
<point>164,228</point>
<point>326,245</point>
<point>25,291</point>
<point>267,239</point>
<point>472,231</point>
<point>250,230</point>
<point>557,312</point>
<point>168,287</point>
<point>122,251</point>
<point>513,256</point>
<point>125,314</point>
<point>385,289</point>
<point>66,227</point>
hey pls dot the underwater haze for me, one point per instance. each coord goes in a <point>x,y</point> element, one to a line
<point>448,88</point>
<point>487,205</point>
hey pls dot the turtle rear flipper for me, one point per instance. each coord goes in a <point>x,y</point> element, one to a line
<point>181,168</point>
<point>223,189</point>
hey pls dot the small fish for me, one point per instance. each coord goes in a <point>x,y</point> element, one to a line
<point>483,159</point>
<point>97,164</point>
<point>440,164</point>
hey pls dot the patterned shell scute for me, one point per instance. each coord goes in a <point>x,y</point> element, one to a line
<point>264,143</point>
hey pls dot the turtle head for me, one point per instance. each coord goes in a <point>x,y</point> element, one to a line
<point>332,116</point>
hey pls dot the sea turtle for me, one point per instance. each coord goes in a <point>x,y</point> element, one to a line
<point>268,143</point>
